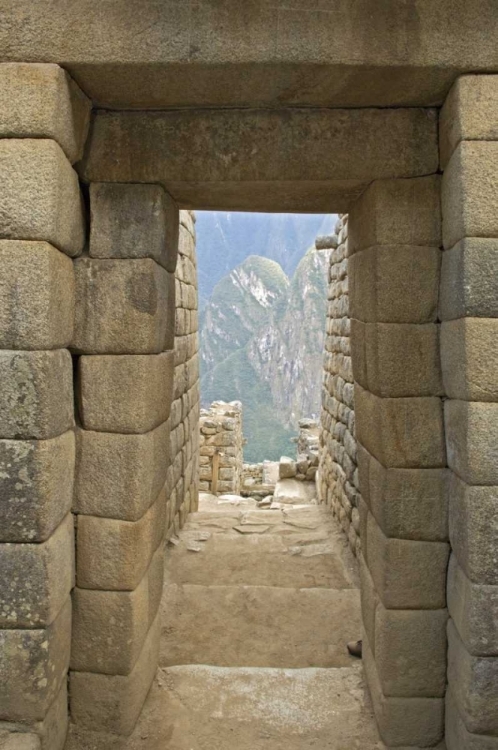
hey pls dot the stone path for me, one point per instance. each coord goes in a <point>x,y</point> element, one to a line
<point>257,608</point>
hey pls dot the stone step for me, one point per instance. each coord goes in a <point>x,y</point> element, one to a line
<point>258,626</point>
<point>214,708</point>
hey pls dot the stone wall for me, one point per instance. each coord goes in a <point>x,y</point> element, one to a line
<point>220,450</point>
<point>183,472</point>
<point>338,483</point>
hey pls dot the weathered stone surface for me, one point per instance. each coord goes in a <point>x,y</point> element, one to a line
<point>39,195</point>
<point>474,609</point>
<point>369,601</point>
<point>469,113</point>
<point>133,221</point>
<point>469,280</point>
<point>123,307</point>
<point>410,652</point>
<point>36,295</point>
<point>401,432</point>
<point>126,394</point>
<point>394,284</point>
<point>469,195</point>
<point>36,486</point>
<point>33,664</point>
<point>396,360</point>
<point>37,579</point>
<point>120,476</point>
<point>471,438</point>
<point>473,522</point>
<point>408,503</point>
<point>114,555</point>
<point>19,741</point>
<point>474,686</point>
<point>287,468</point>
<point>469,358</point>
<point>407,574</point>
<point>397,212</point>
<point>112,703</point>
<point>42,101</point>
<point>345,150</point>
<point>36,398</point>
<point>457,735</point>
<point>403,722</point>
<point>110,627</point>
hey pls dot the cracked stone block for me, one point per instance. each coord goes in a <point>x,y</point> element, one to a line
<point>36,486</point>
<point>469,113</point>
<point>126,394</point>
<point>469,195</point>
<point>407,574</point>
<point>410,652</point>
<point>114,555</point>
<point>39,195</point>
<point>120,476</point>
<point>40,100</point>
<point>123,307</point>
<point>34,664</point>
<point>134,221</point>
<point>112,703</point>
<point>36,399</point>
<point>110,627</point>
<point>36,296</point>
<point>390,212</point>
<point>469,358</point>
<point>36,579</point>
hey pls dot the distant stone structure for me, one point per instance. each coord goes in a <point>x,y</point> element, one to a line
<point>221,444</point>
<point>338,483</point>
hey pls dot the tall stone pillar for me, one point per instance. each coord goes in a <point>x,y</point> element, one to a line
<point>124,334</point>
<point>43,124</point>
<point>394,269</point>
<point>469,356</point>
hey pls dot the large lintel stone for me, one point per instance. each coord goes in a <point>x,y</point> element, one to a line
<point>40,100</point>
<point>127,393</point>
<point>39,195</point>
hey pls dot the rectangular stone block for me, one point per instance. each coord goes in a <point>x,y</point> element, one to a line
<point>133,221</point>
<point>120,476</point>
<point>469,193</point>
<point>33,664</point>
<point>36,295</point>
<point>473,520</point>
<point>403,722</point>
<point>474,609</point>
<point>36,487</point>
<point>457,735</point>
<point>369,601</point>
<point>471,439</point>
<point>36,579</point>
<point>123,307</point>
<point>36,398</point>
<point>396,212</point>
<point>409,503</point>
<point>50,733</point>
<point>469,113</point>
<point>114,555</point>
<point>469,358</point>
<point>473,682</point>
<point>39,195</point>
<point>127,394</point>
<point>410,652</point>
<point>407,574</point>
<point>401,432</point>
<point>19,741</point>
<point>395,284</point>
<point>110,627</point>
<point>112,703</point>
<point>469,280</point>
<point>40,100</point>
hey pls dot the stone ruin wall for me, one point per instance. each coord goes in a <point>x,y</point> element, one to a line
<point>337,482</point>
<point>183,472</point>
<point>221,448</point>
